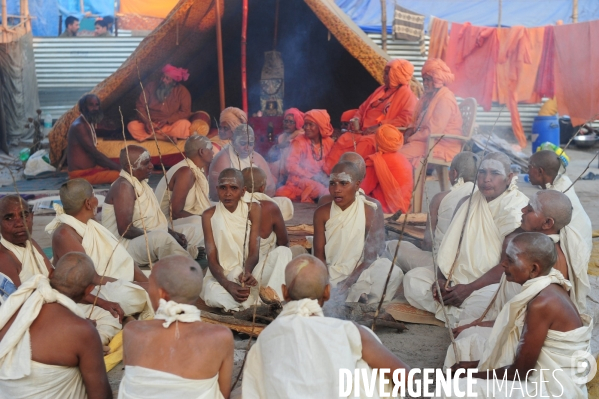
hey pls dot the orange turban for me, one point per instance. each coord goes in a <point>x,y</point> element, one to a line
<point>388,139</point>
<point>400,72</point>
<point>439,71</point>
<point>298,117</point>
<point>348,115</point>
<point>232,117</point>
<point>322,119</point>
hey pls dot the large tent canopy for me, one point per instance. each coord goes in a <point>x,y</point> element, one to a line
<point>329,62</point>
<point>367,13</point>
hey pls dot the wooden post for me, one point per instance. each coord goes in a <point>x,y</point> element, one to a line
<point>25,14</point>
<point>244,31</point>
<point>384,24</point>
<point>4,16</point>
<point>574,11</point>
<point>82,5</point>
<point>219,54</point>
<point>499,17</point>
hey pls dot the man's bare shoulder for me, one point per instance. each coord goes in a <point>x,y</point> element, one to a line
<point>120,184</point>
<point>323,211</point>
<point>140,331</point>
<point>65,232</point>
<point>208,213</point>
<point>55,315</point>
<point>378,204</point>
<point>269,206</point>
<point>437,198</point>
<point>184,172</point>
<point>9,265</point>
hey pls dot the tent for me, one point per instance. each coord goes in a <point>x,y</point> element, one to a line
<point>329,61</point>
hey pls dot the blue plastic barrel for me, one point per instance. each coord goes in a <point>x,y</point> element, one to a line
<point>545,128</point>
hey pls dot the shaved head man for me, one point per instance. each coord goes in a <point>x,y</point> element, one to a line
<point>51,360</point>
<point>546,170</point>
<point>200,355</point>
<point>301,324</point>
<point>132,211</point>
<point>187,183</point>
<point>540,329</point>
<point>348,237</point>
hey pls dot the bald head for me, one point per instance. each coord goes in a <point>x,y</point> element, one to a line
<point>555,205</point>
<point>8,202</point>
<point>357,160</point>
<point>306,277</point>
<point>259,179</point>
<point>196,143</point>
<point>500,157</point>
<point>465,165</point>
<point>136,154</point>
<point>243,130</point>
<point>73,194</point>
<point>534,247</point>
<point>180,277</point>
<point>548,161</point>
<point>345,171</point>
<point>229,175</point>
<point>73,275</point>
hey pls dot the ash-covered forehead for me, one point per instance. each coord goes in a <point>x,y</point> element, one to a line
<point>144,156</point>
<point>243,131</point>
<point>502,162</point>
<point>341,176</point>
<point>493,165</point>
<point>345,171</point>
<point>230,176</point>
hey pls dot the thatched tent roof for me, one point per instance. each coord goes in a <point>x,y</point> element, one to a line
<point>329,62</point>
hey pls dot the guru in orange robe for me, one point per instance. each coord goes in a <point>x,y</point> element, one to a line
<point>306,160</point>
<point>392,103</point>
<point>388,173</point>
<point>437,112</point>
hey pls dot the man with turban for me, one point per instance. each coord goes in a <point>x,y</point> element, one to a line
<point>347,142</point>
<point>169,103</point>
<point>293,123</point>
<point>388,173</point>
<point>437,112</point>
<point>393,103</point>
<point>307,181</point>
<point>230,118</point>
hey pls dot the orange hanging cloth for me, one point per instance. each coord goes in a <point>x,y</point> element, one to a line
<point>439,39</point>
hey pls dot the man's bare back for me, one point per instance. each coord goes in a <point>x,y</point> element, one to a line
<point>272,220</point>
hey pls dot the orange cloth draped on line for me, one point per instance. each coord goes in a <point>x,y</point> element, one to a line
<point>389,175</point>
<point>97,175</point>
<point>576,78</point>
<point>544,84</point>
<point>472,55</point>
<point>439,38</point>
<point>393,105</point>
<point>306,160</point>
<point>436,113</point>
<point>175,110</point>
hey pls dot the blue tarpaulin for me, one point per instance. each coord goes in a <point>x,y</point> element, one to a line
<point>367,13</point>
<point>45,13</point>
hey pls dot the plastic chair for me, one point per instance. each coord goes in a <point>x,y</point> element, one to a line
<point>468,110</point>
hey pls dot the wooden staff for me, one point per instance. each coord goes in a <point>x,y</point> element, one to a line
<point>384,24</point>
<point>424,163</point>
<point>244,31</point>
<point>219,55</point>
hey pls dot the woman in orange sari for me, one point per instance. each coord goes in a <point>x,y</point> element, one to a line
<point>437,112</point>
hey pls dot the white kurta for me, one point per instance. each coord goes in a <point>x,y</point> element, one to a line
<point>197,200</point>
<point>487,226</point>
<point>20,377</point>
<point>299,355</point>
<point>344,251</point>
<point>558,351</point>
<point>160,242</point>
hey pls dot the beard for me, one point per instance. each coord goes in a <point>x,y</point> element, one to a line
<point>93,117</point>
<point>163,91</point>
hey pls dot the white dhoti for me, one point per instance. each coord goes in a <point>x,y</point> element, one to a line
<point>132,298</point>
<point>107,325</point>
<point>160,242</point>
<point>45,381</point>
<point>409,256</point>
<point>344,251</point>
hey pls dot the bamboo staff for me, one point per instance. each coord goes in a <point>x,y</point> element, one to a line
<point>384,24</point>
<point>244,29</point>
<point>424,163</point>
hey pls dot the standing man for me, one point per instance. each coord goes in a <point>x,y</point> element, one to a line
<point>83,158</point>
<point>169,103</point>
<point>101,28</point>
<point>71,27</point>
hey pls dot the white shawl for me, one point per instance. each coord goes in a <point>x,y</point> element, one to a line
<point>447,208</point>
<point>172,311</point>
<point>284,204</point>
<point>110,258</point>
<point>197,200</point>
<point>345,238</point>
<point>32,261</point>
<point>487,226</point>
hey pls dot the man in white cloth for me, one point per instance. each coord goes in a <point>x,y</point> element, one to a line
<point>132,211</point>
<point>176,355</point>
<point>239,154</point>
<point>546,170</point>
<point>40,357</point>
<point>232,230</point>
<point>494,212</point>
<point>348,238</point>
<point>258,186</point>
<point>549,212</point>
<point>462,174</point>
<point>299,355</point>
<point>539,338</point>
<point>74,229</point>
<point>187,184</point>
<point>21,259</point>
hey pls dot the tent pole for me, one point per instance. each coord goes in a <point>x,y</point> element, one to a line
<point>244,31</point>
<point>219,53</point>
<point>384,24</point>
<point>4,16</point>
<point>499,18</point>
<point>82,5</point>
<point>574,11</point>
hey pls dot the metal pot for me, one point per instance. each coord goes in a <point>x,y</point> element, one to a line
<point>586,141</point>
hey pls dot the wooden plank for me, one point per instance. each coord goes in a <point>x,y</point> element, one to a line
<point>234,324</point>
<point>413,218</point>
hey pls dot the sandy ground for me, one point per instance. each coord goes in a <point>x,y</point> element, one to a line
<point>420,346</point>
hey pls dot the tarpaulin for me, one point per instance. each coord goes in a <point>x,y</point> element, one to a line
<point>367,13</point>
<point>148,8</point>
<point>96,7</point>
<point>45,13</point>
